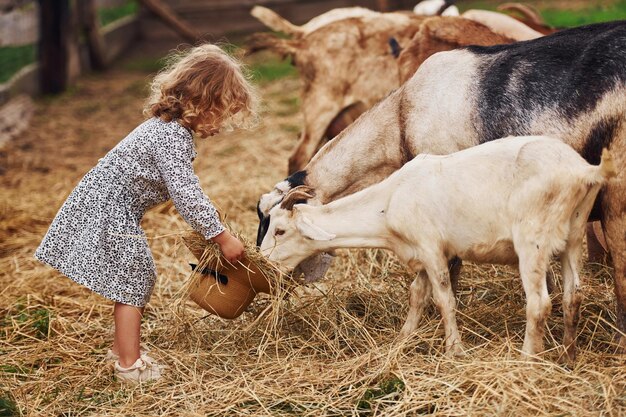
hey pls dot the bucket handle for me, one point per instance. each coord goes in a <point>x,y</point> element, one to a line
<point>223,279</point>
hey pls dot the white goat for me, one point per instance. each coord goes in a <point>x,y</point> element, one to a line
<point>436,8</point>
<point>506,201</point>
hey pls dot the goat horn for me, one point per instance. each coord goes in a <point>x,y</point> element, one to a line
<point>526,10</point>
<point>297,195</point>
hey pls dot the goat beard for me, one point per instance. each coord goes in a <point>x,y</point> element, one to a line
<point>314,267</point>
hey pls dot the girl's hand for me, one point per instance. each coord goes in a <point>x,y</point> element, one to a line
<point>231,247</point>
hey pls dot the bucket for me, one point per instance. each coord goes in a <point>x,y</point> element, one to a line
<point>227,290</point>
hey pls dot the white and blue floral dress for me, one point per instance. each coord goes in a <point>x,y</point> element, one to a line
<point>96,238</point>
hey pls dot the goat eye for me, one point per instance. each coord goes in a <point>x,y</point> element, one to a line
<point>279,232</point>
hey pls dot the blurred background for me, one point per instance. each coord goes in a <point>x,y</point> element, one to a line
<point>65,38</point>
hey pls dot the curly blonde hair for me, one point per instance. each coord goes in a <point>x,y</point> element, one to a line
<point>204,89</point>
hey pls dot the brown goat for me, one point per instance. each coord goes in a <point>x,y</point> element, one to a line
<point>346,66</point>
<point>439,33</point>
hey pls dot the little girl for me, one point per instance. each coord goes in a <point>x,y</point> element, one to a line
<point>96,238</point>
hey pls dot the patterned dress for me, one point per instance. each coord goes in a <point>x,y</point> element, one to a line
<point>96,238</point>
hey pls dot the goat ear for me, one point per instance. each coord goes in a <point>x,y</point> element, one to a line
<point>310,231</point>
<point>297,195</point>
<point>395,47</point>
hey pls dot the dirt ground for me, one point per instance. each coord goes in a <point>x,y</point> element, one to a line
<point>332,352</point>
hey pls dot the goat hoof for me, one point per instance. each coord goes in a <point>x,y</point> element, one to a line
<point>404,334</point>
<point>456,351</point>
<point>529,356</point>
<point>567,359</point>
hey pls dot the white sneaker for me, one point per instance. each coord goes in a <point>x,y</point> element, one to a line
<point>144,369</point>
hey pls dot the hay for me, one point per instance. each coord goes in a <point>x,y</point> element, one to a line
<point>331,349</point>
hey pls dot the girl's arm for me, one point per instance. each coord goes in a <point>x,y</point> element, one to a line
<point>173,155</point>
<point>173,158</point>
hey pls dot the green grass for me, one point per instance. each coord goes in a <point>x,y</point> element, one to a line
<point>37,320</point>
<point>562,18</point>
<point>111,14</point>
<point>8,408</point>
<point>13,58</point>
<point>479,4</point>
<point>10,369</point>
<point>389,389</point>
<point>591,14</point>
<point>144,64</point>
<point>40,322</point>
<point>272,69</point>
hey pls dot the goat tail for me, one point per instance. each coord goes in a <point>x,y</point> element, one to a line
<point>274,21</point>
<point>607,169</point>
<point>595,179</point>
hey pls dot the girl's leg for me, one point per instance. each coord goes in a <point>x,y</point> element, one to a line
<point>127,333</point>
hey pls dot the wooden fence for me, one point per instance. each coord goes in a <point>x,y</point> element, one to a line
<point>20,26</point>
<point>213,19</point>
<point>59,56</point>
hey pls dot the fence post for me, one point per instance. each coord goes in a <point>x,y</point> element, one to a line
<point>90,26</point>
<point>59,61</point>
